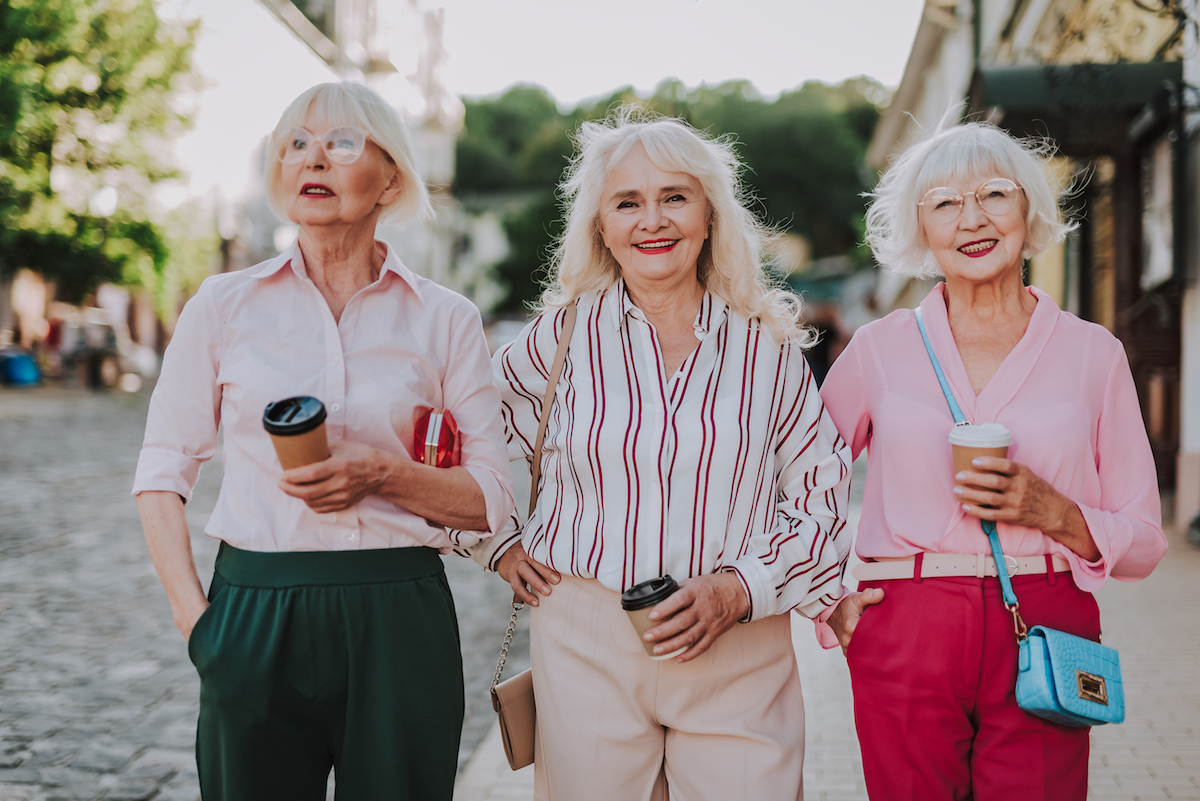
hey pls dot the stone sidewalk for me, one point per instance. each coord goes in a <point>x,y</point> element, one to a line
<point>1155,754</point>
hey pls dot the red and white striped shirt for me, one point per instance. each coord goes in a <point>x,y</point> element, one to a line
<point>731,462</point>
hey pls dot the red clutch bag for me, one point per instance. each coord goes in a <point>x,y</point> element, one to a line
<point>436,440</point>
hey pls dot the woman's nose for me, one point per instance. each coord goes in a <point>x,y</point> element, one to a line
<point>972,215</point>
<point>652,218</point>
<point>316,158</point>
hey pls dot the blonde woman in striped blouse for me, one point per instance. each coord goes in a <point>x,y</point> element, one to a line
<point>686,438</point>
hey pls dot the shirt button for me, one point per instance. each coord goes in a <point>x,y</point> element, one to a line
<point>335,407</point>
<point>351,535</point>
<point>337,361</point>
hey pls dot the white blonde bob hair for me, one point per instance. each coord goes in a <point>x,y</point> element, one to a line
<point>730,264</point>
<point>353,104</point>
<point>972,151</point>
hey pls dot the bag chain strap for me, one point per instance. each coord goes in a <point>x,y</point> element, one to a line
<point>560,356</point>
<point>517,606</point>
<point>989,526</point>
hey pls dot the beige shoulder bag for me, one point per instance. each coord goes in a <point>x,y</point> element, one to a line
<point>513,699</point>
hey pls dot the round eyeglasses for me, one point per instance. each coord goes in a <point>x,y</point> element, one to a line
<point>995,197</point>
<point>342,145</point>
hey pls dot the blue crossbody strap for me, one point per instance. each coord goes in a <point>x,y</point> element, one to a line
<point>989,527</point>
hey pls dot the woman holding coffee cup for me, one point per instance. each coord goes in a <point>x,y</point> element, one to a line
<point>328,637</point>
<point>686,437</point>
<point>1057,457</point>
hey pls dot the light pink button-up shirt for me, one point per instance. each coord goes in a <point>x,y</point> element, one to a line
<point>403,345</point>
<point>1066,394</point>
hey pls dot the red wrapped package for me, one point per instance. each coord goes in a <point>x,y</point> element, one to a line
<point>436,440</point>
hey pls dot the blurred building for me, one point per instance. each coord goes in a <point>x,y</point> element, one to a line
<point>1108,81</point>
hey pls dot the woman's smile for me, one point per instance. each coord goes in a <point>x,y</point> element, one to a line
<point>317,190</point>
<point>657,245</point>
<point>978,248</point>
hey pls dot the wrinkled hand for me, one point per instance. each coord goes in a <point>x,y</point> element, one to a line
<point>352,472</point>
<point>704,608</point>
<point>849,611</point>
<point>519,569</point>
<point>1009,492</point>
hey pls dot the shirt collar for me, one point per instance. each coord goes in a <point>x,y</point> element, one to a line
<point>295,259</point>
<point>712,309</point>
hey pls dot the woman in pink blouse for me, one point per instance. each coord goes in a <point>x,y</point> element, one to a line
<point>328,637</point>
<point>931,649</point>
<point>687,438</point>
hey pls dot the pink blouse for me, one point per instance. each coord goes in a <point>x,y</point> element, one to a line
<point>403,345</point>
<point>1066,394</point>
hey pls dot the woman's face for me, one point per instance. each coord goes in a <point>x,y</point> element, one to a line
<point>653,222</point>
<point>977,246</point>
<point>321,191</point>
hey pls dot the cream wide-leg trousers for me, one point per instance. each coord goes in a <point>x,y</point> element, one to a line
<point>614,725</point>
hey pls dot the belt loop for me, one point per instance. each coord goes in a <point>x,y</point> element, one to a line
<point>918,560</point>
<point>1050,575</point>
<point>981,566</point>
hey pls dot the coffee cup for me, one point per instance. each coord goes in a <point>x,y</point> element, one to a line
<point>637,601</point>
<point>972,441</point>
<point>297,428</point>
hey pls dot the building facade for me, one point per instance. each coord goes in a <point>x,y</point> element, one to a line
<point>1111,83</point>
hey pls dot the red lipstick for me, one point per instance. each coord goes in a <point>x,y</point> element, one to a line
<point>317,190</point>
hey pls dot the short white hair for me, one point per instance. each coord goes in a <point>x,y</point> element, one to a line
<point>964,152</point>
<point>731,262</point>
<point>347,103</point>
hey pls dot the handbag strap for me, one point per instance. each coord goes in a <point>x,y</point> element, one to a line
<point>989,526</point>
<point>560,356</point>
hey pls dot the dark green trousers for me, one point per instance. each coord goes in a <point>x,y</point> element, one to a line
<point>344,659</point>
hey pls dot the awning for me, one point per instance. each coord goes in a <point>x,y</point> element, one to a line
<point>1068,88</point>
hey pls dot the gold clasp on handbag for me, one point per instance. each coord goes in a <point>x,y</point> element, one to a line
<point>1018,622</point>
<point>1091,687</point>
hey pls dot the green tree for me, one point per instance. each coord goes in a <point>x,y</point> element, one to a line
<point>803,154</point>
<point>87,97</point>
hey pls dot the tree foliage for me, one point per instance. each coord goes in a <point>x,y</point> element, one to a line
<point>88,96</point>
<point>803,152</point>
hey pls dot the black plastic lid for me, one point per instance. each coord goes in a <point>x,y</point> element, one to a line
<point>648,593</point>
<point>292,416</point>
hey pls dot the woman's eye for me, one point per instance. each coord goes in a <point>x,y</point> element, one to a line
<point>945,204</point>
<point>627,204</point>
<point>299,144</point>
<point>676,199</point>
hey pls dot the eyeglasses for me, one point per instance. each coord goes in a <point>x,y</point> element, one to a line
<point>342,145</point>
<point>995,197</point>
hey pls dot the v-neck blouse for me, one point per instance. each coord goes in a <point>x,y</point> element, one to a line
<point>1064,391</point>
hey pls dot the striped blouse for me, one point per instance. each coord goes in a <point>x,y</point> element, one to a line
<point>731,463</point>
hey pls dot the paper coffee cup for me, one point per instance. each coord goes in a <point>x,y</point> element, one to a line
<point>984,439</point>
<point>639,600</point>
<point>297,427</point>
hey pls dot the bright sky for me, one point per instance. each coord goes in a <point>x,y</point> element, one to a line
<point>585,48</point>
<point>577,49</point>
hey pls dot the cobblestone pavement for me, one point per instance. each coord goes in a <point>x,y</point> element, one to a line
<point>97,697</point>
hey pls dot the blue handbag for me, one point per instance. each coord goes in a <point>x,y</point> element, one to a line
<point>1060,677</point>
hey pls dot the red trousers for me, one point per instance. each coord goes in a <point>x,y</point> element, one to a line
<point>934,671</point>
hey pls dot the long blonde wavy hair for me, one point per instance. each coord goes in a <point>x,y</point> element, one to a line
<point>731,264</point>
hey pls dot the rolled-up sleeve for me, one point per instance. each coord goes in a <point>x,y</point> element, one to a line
<point>471,395</point>
<point>799,563</point>
<point>185,408</point>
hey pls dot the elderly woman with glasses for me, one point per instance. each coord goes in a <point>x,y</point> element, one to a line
<point>930,644</point>
<point>685,437</point>
<point>328,637</point>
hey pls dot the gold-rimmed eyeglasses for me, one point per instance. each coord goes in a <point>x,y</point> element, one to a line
<point>995,197</point>
<point>342,145</point>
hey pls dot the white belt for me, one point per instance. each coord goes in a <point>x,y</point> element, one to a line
<point>936,565</point>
